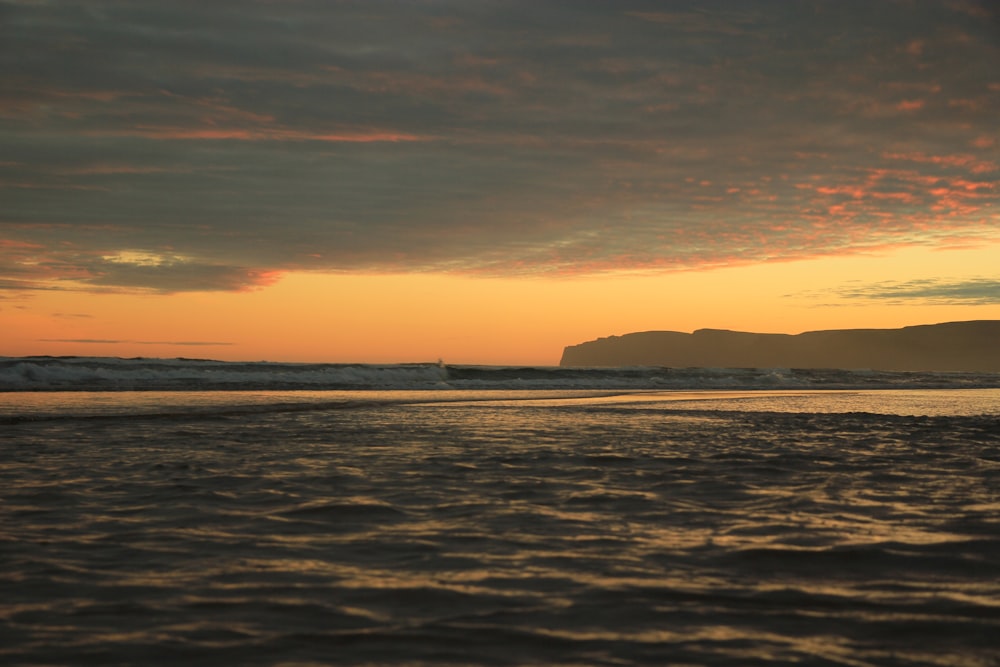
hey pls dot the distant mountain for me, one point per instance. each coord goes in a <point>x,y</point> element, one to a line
<point>952,346</point>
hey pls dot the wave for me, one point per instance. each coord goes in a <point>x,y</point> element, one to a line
<point>144,374</point>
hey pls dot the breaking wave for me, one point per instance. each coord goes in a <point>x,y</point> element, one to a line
<point>141,374</point>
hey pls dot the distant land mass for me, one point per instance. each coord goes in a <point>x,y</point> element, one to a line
<point>951,346</point>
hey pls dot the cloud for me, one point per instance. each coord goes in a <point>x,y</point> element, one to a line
<point>22,285</point>
<point>240,141</point>
<point>173,273</point>
<point>157,271</point>
<point>972,291</point>
<point>109,341</point>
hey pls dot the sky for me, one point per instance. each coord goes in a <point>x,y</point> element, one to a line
<point>488,181</point>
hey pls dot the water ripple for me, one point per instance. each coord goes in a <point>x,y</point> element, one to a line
<point>500,535</point>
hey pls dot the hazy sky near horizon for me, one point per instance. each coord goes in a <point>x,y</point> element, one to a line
<point>489,180</point>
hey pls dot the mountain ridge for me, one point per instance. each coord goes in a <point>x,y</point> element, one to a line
<point>972,345</point>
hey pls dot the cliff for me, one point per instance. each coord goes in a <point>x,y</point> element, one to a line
<point>953,346</point>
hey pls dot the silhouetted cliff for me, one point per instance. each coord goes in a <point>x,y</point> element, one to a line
<point>953,346</point>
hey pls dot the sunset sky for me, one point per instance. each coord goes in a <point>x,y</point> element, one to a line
<point>487,181</point>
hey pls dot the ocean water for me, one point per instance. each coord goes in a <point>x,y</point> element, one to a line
<point>530,518</point>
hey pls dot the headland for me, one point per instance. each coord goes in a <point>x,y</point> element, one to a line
<point>952,346</point>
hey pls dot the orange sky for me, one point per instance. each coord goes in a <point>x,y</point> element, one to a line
<point>401,318</point>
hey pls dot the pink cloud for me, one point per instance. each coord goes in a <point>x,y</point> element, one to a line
<point>965,161</point>
<point>853,191</point>
<point>20,245</point>
<point>910,105</point>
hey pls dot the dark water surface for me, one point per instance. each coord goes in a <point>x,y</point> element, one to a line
<point>543,528</point>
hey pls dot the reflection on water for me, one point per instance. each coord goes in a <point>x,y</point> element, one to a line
<point>93,403</point>
<point>928,402</point>
<point>646,529</point>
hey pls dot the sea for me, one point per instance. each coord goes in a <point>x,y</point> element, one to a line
<point>195,512</point>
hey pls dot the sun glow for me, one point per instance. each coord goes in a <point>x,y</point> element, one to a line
<point>144,258</point>
<point>423,317</point>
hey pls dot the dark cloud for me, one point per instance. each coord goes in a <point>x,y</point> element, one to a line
<point>173,274</point>
<point>21,285</point>
<point>214,145</point>
<point>110,341</point>
<point>975,291</point>
<point>936,291</point>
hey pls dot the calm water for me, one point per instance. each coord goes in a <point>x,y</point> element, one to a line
<point>500,528</point>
